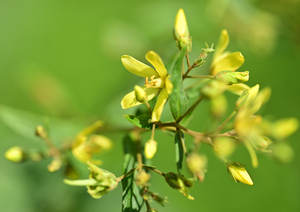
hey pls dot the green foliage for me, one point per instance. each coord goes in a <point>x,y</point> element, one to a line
<point>131,198</point>
<point>178,99</point>
<point>179,151</point>
<point>140,121</point>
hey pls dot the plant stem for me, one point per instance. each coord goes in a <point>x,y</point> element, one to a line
<point>203,76</point>
<point>225,122</point>
<point>190,109</point>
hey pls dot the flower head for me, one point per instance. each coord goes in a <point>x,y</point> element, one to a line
<point>157,82</point>
<point>85,146</point>
<point>223,60</point>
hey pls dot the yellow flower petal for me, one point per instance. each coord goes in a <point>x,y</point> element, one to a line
<point>156,61</point>
<point>130,99</point>
<point>181,27</point>
<point>222,44</point>
<point>229,63</point>
<point>138,68</point>
<point>237,89</point>
<point>168,85</point>
<point>159,106</point>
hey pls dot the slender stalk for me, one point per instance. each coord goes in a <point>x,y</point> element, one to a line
<point>148,106</point>
<point>225,122</point>
<point>252,154</point>
<point>189,110</point>
<point>203,76</point>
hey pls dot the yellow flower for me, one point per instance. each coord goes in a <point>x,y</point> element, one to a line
<point>157,82</point>
<point>85,146</point>
<point>223,60</point>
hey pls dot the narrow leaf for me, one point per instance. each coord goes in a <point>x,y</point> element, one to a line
<point>132,201</point>
<point>140,121</point>
<point>179,151</point>
<point>178,99</point>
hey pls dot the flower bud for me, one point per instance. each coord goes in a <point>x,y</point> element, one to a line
<point>231,77</point>
<point>140,94</point>
<point>179,182</point>
<point>213,89</point>
<point>224,147</point>
<point>55,165</point>
<point>40,132</point>
<point>141,178</point>
<point>99,183</point>
<point>150,148</point>
<point>197,165</point>
<point>246,97</point>
<point>261,142</point>
<point>15,154</point>
<point>218,106</point>
<point>239,173</point>
<point>181,28</point>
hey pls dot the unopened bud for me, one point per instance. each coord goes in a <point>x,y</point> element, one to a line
<point>246,97</point>
<point>218,106</point>
<point>180,183</point>
<point>197,165</point>
<point>213,89</point>
<point>231,77</point>
<point>261,142</point>
<point>181,28</point>
<point>15,154</point>
<point>140,94</point>
<point>224,147</point>
<point>40,132</point>
<point>141,178</point>
<point>150,148</point>
<point>55,165</point>
<point>239,173</point>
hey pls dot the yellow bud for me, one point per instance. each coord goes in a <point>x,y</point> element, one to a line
<point>15,154</point>
<point>140,94</point>
<point>55,165</point>
<point>181,27</point>
<point>150,148</point>
<point>142,177</point>
<point>239,173</point>
<point>196,162</point>
<point>40,131</point>
<point>282,152</point>
<point>218,106</point>
<point>224,146</point>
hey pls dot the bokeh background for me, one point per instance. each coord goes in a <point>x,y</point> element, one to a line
<point>60,61</point>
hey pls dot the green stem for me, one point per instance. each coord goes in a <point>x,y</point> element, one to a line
<point>203,76</point>
<point>190,109</point>
<point>226,121</point>
<point>252,154</point>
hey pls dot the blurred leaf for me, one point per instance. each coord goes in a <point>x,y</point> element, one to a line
<point>21,122</point>
<point>140,121</point>
<point>178,99</point>
<point>193,91</point>
<point>132,201</point>
<point>179,141</point>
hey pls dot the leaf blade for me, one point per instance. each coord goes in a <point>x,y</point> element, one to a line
<point>178,99</point>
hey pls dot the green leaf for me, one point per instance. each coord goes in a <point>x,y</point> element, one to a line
<point>179,151</point>
<point>178,100</point>
<point>132,201</point>
<point>140,121</point>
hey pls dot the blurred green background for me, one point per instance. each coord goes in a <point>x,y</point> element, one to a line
<point>61,60</point>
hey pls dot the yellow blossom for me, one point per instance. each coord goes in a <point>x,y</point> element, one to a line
<point>224,60</point>
<point>157,82</point>
<point>85,145</point>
